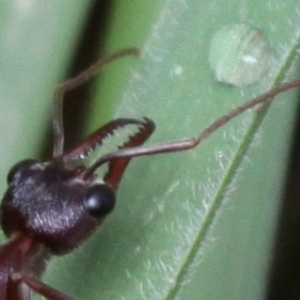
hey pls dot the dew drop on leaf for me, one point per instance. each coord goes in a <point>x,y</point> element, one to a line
<point>239,54</point>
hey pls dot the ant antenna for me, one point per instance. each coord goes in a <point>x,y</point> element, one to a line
<point>71,84</point>
<point>190,143</point>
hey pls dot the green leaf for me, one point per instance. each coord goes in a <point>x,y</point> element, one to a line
<point>193,225</point>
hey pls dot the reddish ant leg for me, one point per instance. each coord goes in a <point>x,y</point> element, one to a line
<point>44,289</point>
<point>71,84</point>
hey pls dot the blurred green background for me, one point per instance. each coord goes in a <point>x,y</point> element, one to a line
<point>194,225</point>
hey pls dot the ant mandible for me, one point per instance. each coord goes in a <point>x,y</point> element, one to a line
<point>51,207</point>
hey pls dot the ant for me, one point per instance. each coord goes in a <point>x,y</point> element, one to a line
<point>51,207</point>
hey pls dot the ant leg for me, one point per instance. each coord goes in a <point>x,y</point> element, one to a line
<point>71,84</point>
<point>190,143</point>
<point>43,289</point>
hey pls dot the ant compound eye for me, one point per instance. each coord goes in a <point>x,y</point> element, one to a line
<point>16,172</point>
<point>100,200</point>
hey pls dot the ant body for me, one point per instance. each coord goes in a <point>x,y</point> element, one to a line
<point>51,208</point>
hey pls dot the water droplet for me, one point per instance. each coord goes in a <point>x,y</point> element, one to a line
<point>239,54</point>
<point>178,70</point>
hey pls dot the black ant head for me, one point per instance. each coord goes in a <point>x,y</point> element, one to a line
<point>60,205</point>
<point>53,205</point>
